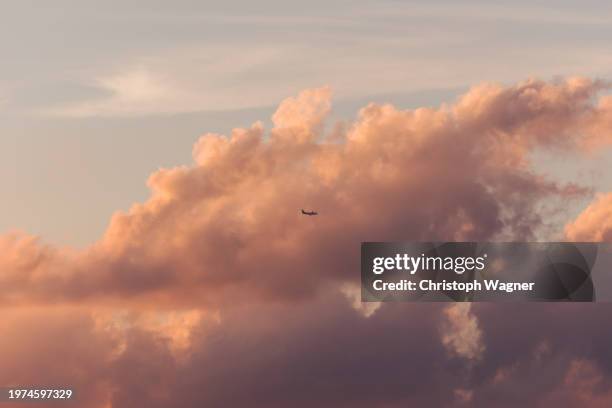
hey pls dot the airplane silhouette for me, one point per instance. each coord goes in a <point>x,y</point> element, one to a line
<point>309,212</point>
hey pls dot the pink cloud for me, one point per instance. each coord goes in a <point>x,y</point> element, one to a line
<point>594,223</point>
<point>216,291</point>
<point>230,222</point>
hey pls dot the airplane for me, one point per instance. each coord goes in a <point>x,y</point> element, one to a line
<point>309,212</point>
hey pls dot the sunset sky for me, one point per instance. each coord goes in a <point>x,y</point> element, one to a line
<point>94,97</point>
<point>155,155</point>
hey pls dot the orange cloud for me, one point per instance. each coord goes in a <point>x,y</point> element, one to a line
<point>594,223</point>
<point>229,224</point>
<point>216,291</point>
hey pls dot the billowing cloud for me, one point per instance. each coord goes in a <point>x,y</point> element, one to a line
<point>229,225</point>
<point>216,291</point>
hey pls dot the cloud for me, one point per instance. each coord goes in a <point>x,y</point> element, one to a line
<point>594,223</point>
<point>461,334</point>
<point>57,347</point>
<point>353,294</point>
<point>590,386</point>
<point>134,92</point>
<point>186,80</point>
<point>229,225</point>
<point>216,291</point>
<point>261,69</point>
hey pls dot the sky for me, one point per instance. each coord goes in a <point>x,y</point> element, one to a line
<point>83,85</point>
<point>155,155</point>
